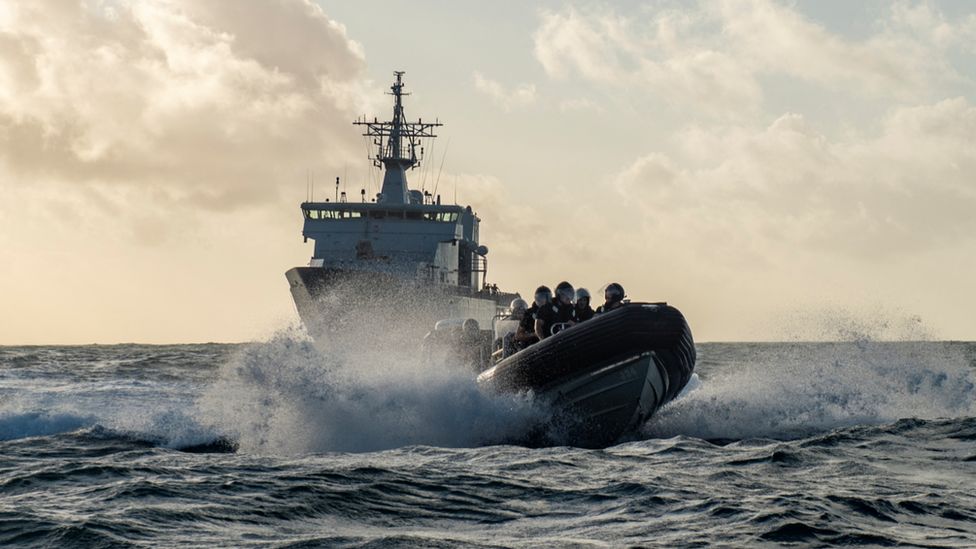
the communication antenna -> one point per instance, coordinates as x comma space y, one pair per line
443, 157
425, 168
308, 185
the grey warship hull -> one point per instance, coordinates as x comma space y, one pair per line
336, 304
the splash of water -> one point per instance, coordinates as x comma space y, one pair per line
284, 396
794, 390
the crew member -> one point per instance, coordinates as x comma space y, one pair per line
525, 334
519, 309
614, 295
583, 310
557, 315
470, 345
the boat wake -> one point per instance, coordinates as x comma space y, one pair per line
789, 391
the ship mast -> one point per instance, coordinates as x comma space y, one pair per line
398, 145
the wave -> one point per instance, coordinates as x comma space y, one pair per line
169, 430
15, 425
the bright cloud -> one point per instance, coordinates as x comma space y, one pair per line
859, 187
189, 98
521, 95
908, 189
712, 58
151, 156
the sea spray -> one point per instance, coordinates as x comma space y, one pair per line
285, 396
798, 389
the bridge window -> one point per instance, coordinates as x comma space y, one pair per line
328, 215
444, 217
331, 214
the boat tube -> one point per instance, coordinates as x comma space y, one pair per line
605, 377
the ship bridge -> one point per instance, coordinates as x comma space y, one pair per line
435, 243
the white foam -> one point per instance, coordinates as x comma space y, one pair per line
285, 397
791, 390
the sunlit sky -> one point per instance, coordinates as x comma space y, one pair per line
777, 170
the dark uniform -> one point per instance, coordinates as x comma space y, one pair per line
527, 325
584, 314
528, 319
555, 313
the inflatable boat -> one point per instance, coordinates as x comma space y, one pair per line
602, 378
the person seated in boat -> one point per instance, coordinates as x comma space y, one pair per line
470, 345
583, 310
614, 295
558, 314
517, 309
518, 312
525, 334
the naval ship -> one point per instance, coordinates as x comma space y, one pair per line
392, 265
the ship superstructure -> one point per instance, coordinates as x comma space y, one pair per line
401, 247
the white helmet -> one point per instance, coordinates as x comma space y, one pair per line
565, 290
519, 306
582, 293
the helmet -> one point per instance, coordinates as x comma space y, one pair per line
614, 292
518, 306
543, 295
582, 293
565, 291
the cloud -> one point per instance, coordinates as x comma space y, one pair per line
789, 165
579, 104
714, 58
208, 103
520, 96
787, 187
152, 153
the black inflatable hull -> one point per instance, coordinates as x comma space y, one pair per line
605, 377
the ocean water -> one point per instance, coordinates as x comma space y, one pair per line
275, 444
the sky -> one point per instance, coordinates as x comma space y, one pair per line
776, 170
